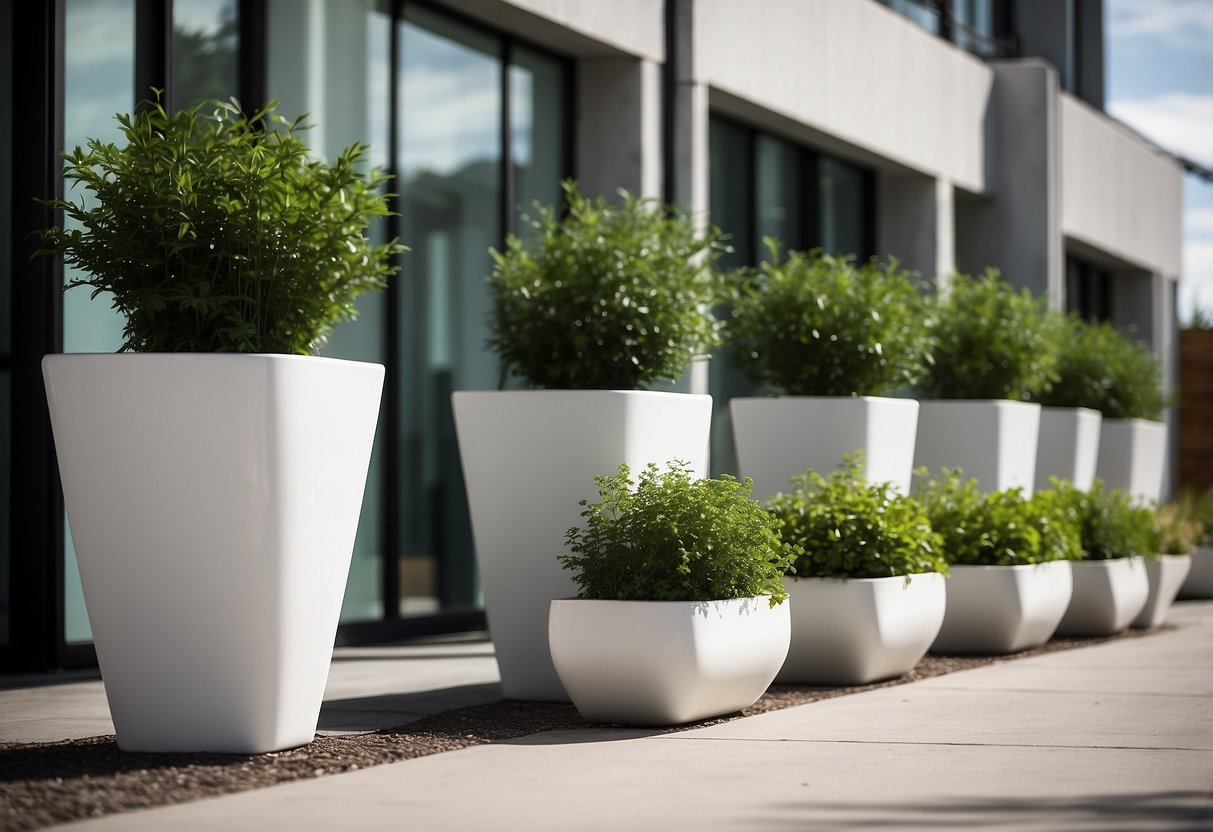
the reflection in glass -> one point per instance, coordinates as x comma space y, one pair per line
842, 208
206, 35
777, 194
537, 117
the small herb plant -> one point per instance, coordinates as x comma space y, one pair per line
813, 324
1102, 369
990, 342
1002, 528
609, 297
847, 527
670, 536
216, 231
1109, 524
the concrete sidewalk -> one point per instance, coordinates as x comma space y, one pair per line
1114, 736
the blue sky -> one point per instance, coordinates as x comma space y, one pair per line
1159, 56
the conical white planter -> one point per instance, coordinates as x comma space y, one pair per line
1068, 447
529, 457
1199, 583
993, 441
666, 662
1132, 453
1003, 609
779, 438
857, 630
1166, 574
213, 501
1108, 595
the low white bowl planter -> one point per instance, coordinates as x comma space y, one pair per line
666, 662
1132, 453
1108, 595
1166, 575
993, 440
213, 500
1068, 447
1199, 583
529, 457
1003, 609
850, 631
779, 438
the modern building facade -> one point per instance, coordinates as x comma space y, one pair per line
951, 134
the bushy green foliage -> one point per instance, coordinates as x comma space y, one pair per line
814, 324
1109, 524
1100, 368
215, 231
850, 528
609, 297
1173, 531
990, 342
1196, 507
673, 537
997, 529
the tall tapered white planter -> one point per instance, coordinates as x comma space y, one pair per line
213, 501
1003, 609
1166, 574
529, 457
1132, 454
1108, 595
1068, 447
992, 440
1199, 583
779, 438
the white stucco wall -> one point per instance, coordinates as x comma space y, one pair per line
1119, 194
581, 28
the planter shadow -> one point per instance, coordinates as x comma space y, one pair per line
378, 713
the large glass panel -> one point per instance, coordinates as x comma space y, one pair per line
206, 36
537, 135
450, 153
6, 527
6, 165
843, 210
921, 12
973, 26
778, 186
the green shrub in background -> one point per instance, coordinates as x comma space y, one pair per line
607, 297
1173, 532
1109, 524
813, 324
1100, 368
990, 342
1196, 507
216, 231
850, 528
672, 537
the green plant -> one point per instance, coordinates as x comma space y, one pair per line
1174, 532
990, 342
215, 233
1196, 507
1109, 524
1002, 528
814, 324
850, 528
609, 297
673, 537
1100, 368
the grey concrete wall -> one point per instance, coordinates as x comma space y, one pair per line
915, 222
582, 28
619, 126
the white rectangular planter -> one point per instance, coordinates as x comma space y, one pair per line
529, 457
213, 500
1108, 595
1166, 574
1003, 609
1199, 583
994, 441
1068, 447
1132, 454
779, 438
857, 630
666, 662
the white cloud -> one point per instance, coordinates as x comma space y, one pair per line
1179, 24
1178, 121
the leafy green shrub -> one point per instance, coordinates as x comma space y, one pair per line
1100, 368
609, 297
216, 235
1109, 524
1173, 532
850, 528
997, 529
990, 342
1196, 507
673, 537
817, 325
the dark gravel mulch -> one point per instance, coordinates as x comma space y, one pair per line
48, 783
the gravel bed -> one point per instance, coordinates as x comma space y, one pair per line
49, 783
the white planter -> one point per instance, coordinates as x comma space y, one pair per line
1132, 453
1068, 447
666, 662
779, 438
1003, 609
858, 630
1199, 583
994, 441
1166, 575
1108, 595
529, 457
213, 500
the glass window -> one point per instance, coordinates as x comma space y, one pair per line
843, 208
778, 190
1088, 291
6, 165
537, 117
922, 12
731, 186
973, 27
6, 401
205, 42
